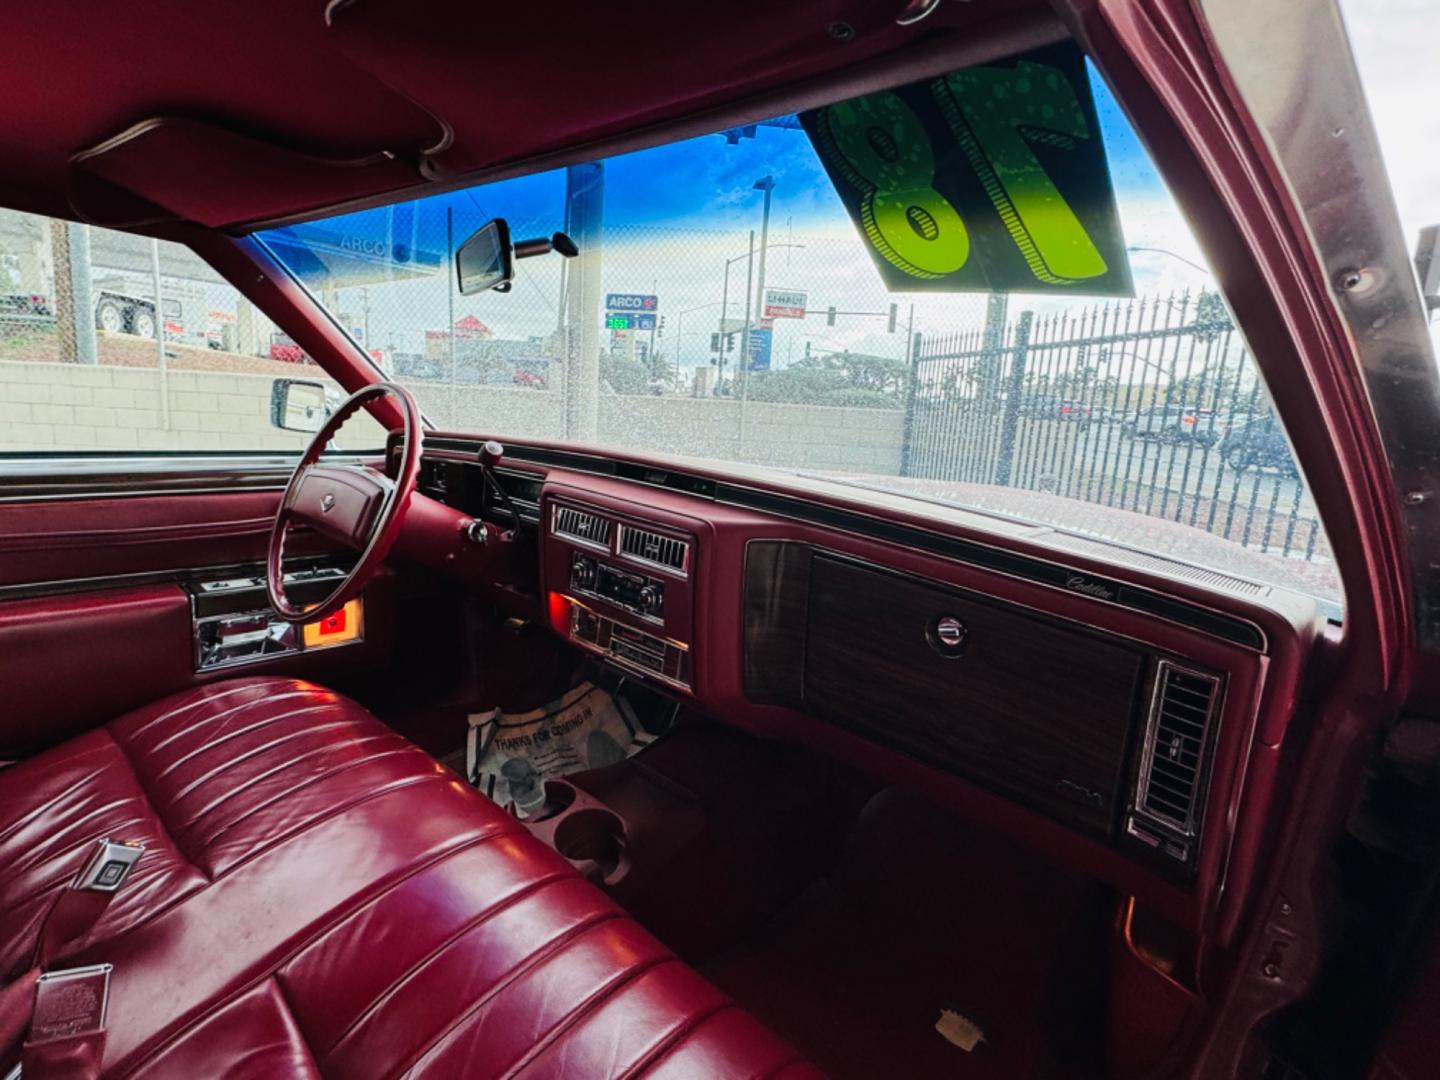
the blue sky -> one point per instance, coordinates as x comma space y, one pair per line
675, 216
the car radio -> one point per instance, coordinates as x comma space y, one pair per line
636, 593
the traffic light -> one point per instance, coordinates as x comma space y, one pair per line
830, 317
715, 342
890, 328
730, 341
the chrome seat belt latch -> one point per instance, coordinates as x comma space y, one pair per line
109, 866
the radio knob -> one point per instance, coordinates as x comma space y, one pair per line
650, 597
583, 575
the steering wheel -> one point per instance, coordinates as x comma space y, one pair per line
360, 508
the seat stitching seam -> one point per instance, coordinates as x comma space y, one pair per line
625, 979
308, 823
261, 778
672, 1039
41, 852
155, 810
294, 1019
206, 721
220, 740
320, 932
279, 796
257, 683
65, 875
236, 759
538, 958
400, 980
49, 804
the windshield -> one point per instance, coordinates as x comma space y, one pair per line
975, 290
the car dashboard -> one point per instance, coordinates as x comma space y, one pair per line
1120, 713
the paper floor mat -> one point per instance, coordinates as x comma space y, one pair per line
509, 756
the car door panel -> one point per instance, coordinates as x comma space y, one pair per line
70, 539
74, 660
95, 614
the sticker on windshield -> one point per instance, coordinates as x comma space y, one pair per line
989, 179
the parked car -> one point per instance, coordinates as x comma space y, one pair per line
283, 348
1052, 407
24, 304
1258, 444
1175, 424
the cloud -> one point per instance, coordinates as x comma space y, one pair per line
1394, 43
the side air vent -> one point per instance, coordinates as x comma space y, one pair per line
1178, 734
652, 548
578, 525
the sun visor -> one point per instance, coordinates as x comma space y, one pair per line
487, 72
208, 174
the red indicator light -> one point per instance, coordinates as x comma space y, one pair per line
333, 624
560, 613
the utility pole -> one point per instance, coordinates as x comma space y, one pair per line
80, 293
767, 185
63, 302
724, 310
584, 207
650, 356
453, 413
160, 337
742, 364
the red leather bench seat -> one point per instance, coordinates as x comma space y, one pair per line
320, 897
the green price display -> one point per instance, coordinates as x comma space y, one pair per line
991, 178
617, 322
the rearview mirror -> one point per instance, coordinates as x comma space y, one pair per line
485, 261
297, 405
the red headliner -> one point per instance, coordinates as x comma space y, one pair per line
275, 71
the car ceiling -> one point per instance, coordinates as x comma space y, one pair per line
231, 113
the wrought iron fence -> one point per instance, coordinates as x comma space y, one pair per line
1151, 405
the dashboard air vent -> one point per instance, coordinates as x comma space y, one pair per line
1177, 739
578, 525
654, 548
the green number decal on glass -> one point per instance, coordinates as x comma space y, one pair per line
987, 109
882, 148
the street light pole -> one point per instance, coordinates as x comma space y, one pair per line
1178, 258
725, 295
680, 334
767, 185
724, 310
742, 365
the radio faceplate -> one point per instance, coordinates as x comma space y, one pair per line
622, 585
638, 594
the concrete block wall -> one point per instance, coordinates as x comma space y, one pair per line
759, 433
73, 407
81, 407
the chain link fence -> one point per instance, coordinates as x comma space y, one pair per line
110, 341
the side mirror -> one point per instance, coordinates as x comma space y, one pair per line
485, 261
298, 405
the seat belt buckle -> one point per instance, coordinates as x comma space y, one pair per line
109, 866
70, 1002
